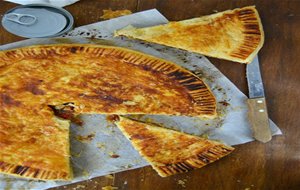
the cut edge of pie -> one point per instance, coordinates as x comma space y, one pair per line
28, 99
170, 152
246, 25
34, 173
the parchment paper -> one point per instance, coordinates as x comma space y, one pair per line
94, 158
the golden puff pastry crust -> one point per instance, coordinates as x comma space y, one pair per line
93, 79
235, 35
170, 152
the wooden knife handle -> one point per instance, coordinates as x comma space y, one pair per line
259, 119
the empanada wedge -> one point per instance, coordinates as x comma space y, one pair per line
170, 152
235, 35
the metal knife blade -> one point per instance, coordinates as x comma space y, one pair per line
258, 113
255, 85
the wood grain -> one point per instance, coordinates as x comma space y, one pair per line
259, 119
274, 165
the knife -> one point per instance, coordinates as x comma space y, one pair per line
258, 113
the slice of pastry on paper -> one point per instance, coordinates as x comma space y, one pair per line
170, 152
235, 35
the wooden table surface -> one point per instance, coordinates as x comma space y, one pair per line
275, 165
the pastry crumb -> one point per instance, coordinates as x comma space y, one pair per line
80, 186
109, 176
113, 155
100, 145
109, 187
112, 118
78, 154
181, 182
127, 166
109, 14
85, 173
86, 138
224, 103
148, 120
205, 136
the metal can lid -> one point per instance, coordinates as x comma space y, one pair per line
37, 21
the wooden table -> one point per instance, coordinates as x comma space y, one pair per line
275, 165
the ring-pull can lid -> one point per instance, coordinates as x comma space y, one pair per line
37, 21
23, 19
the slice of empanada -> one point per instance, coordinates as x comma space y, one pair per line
235, 35
170, 152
